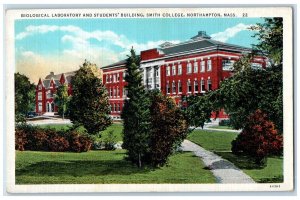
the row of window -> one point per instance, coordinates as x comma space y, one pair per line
191, 67
176, 87
49, 94
115, 107
115, 92
114, 78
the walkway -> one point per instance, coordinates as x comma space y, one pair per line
223, 170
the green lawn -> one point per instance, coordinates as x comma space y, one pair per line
222, 127
117, 128
105, 167
220, 143
212, 140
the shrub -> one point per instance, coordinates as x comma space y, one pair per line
79, 143
168, 128
259, 138
110, 141
33, 138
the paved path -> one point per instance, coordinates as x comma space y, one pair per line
223, 170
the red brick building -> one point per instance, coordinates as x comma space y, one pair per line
46, 89
188, 68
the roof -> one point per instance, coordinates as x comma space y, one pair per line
117, 64
56, 78
198, 44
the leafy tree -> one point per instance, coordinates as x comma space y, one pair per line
24, 96
89, 105
169, 127
199, 109
259, 138
135, 113
61, 99
270, 35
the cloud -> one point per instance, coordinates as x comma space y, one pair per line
230, 32
79, 48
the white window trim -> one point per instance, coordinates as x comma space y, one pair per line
202, 66
209, 63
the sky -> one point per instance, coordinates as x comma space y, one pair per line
62, 45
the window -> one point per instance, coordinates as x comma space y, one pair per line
202, 66
110, 78
179, 87
40, 87
209, 86
113, 107
40, 97
124, 92
202, 85
106, 79
173, 87
195, 86
124, 74
189, 86
118, 107
118, 77
189, 68
227, 64
40, 107
118, 94
256, 65
49, 94
168, 88
195, 67
179, 69
209, 65
173, 70
114, 93
168, 70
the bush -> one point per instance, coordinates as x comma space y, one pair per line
33, 138
106, 143
259, 138
168, 129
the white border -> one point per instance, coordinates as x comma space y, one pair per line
286, 13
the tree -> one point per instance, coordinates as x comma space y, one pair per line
61, 99
270, 35
169, 127
24, 96
251, 89
135, 113
259, 138
89, 105
199, 109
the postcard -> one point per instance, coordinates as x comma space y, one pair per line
149, 100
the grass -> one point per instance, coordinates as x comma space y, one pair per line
117, 128
222, 127
212, 140
105, 167
220, 143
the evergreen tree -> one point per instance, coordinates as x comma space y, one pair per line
89, 105
135, 113
61, 99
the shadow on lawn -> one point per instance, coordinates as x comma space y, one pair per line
78, 168
240, 161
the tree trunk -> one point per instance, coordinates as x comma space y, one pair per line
140, 162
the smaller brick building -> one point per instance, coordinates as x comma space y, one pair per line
46, 88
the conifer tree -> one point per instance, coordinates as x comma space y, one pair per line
135, 113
